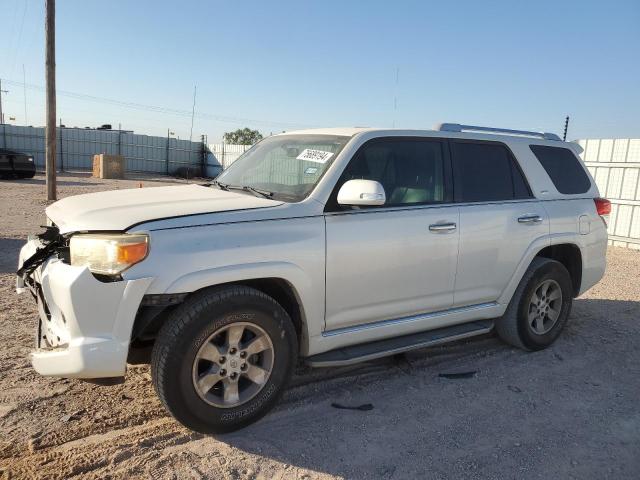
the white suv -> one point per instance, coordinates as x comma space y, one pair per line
335, 245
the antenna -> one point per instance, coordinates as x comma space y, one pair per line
395, 97
566, 127
193, 111
24, 86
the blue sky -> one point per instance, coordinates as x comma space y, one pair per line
280, 65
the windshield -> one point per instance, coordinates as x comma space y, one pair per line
284, 167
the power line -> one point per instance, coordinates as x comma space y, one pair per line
17, 48
13, 31
155, 108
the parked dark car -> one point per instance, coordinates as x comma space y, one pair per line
16, 165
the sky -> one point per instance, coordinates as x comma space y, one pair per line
284, 65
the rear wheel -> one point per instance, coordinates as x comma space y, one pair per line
223, 358
539, 308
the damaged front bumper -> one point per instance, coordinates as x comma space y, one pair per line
84, 325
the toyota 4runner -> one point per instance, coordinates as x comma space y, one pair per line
333, 245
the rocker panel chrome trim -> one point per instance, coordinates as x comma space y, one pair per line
413, 318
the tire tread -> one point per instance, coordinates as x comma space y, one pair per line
507, 325
180, 318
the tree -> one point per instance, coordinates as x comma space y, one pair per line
243, 136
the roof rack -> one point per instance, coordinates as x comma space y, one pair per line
456, 127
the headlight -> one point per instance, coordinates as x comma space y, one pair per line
108, 254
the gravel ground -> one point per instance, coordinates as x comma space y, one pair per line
570, 411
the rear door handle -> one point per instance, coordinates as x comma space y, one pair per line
442, 227
533, 218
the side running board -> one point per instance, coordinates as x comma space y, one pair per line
382, 348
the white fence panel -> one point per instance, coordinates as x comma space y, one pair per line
76, 147
615, 166
226, 154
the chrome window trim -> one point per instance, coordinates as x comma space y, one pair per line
429, 206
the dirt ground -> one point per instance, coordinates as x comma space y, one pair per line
571, 411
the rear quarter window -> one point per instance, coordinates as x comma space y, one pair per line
563, 167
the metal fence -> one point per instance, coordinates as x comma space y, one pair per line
76, 147
226, 154
615, 165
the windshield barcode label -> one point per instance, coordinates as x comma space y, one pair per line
311, 155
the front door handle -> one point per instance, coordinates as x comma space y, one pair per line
533, 218
442, 227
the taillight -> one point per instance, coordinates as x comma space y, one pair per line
603, 207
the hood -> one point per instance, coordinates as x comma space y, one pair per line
116, 210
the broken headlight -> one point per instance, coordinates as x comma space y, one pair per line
108, 254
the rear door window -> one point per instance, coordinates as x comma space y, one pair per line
563, 167
485, 172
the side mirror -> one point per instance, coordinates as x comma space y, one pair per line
361, 192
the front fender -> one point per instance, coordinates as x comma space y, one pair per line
311, 304
233, 273
188, 259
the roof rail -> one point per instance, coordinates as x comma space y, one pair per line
456, 127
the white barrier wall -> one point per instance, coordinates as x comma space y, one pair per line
76, 147
615, 165
226, 154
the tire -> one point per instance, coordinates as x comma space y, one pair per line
201, 329
516, 326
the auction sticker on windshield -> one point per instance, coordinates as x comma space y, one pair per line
319, 156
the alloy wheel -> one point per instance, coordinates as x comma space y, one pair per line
545, 306
233, 365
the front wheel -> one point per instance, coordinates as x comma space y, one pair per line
223, 358
539, 308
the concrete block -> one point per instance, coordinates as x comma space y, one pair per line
108, 166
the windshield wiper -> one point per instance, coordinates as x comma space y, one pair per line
221, 186
244, 188
264, 193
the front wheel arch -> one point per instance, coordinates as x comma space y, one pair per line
149, 321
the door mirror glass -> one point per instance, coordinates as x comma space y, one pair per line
362, 192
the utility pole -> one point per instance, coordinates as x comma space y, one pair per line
1, 92
566, 127
50, 63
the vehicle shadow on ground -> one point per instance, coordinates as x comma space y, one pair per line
423, 425
9, 250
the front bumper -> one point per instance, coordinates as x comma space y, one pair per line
84, 325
